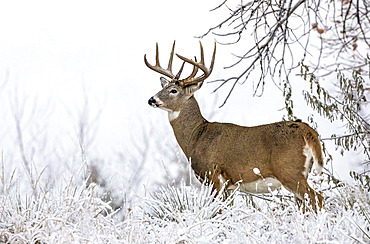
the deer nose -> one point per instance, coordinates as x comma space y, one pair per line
151, 101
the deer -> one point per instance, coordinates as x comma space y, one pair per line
255, 159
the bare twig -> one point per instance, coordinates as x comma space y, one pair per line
274, 26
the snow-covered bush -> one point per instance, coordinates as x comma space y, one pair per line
73, 212
69, 214
186, 204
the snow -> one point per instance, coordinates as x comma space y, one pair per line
75, 213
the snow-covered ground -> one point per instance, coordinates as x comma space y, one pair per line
74, 213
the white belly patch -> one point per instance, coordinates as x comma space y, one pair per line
265, 185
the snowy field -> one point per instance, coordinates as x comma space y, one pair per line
74, 212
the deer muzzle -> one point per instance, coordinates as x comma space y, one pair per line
152, 102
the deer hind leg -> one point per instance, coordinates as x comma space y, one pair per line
315, 198
300, 189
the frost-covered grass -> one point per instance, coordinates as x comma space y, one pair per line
345, 220
74, 213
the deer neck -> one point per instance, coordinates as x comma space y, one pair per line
187, 124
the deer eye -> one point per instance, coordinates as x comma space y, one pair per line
173, 91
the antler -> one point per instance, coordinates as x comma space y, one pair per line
157, 67
175, 78
206, 72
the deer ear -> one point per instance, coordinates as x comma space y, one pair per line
193, 88
164, 82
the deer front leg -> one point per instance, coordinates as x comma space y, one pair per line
220, 181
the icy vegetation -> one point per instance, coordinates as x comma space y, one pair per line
76, 211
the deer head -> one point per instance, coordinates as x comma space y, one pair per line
176, 91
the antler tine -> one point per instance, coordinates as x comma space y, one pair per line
171, 57
190, 77
157, 67
201, 54
206, 72
180, 71
195, 70
213, 59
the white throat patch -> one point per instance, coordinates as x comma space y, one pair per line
173, 115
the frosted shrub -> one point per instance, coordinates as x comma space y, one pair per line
189, 214
74, 213
65, 216
187, 202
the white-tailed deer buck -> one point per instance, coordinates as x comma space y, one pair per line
260, 158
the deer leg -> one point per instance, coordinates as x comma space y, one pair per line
314, 197
300, 189
220, 181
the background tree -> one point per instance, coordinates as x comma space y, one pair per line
315, 39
